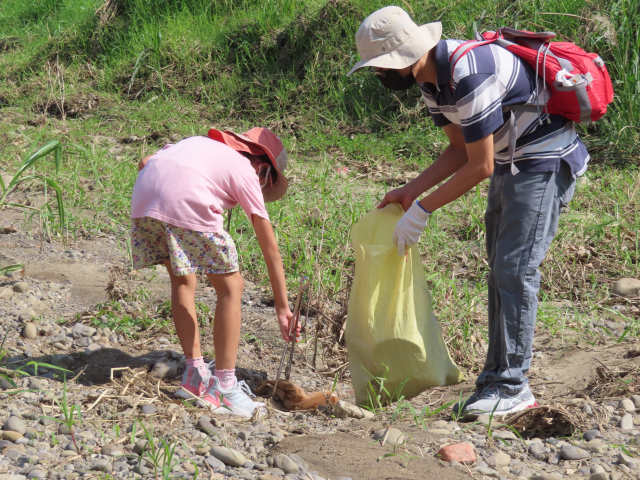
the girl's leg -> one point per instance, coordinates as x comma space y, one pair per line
226, 327
183, 309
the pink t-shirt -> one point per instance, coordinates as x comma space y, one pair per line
190, 183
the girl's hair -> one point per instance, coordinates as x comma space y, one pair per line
258, 159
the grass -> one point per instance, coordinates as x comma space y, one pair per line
113, 87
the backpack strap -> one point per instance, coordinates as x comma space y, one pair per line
461, 50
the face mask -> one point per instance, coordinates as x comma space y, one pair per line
393, 80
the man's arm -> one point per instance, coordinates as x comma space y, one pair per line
450, 160
478, 166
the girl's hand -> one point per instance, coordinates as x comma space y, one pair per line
285, 319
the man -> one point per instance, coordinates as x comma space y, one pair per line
531, 157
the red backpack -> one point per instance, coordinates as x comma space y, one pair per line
578, 81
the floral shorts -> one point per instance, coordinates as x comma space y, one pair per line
154, 242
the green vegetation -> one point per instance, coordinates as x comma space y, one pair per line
112, 80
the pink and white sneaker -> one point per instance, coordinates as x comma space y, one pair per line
193, 383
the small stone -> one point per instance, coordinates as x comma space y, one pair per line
626, 422
165, 369
229, 456
626, 287
37, 474
538, 451
344, 409
596, 445
204, 423
390, 436
30, 331
148, 409
113, 450
11, 435
569, 452
504, 435
626, 460
599, 476
627, 405
215, 464
458, 452
591, 434
21, 287
636, 400
14, 423
284, 463
499, 459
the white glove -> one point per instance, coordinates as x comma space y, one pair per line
409, 227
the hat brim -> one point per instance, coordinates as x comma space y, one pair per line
408, 53
240, 143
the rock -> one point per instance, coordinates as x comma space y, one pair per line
284, 463
504, 435
626, 422
11, 435
626, 460
599, 476
596, 445
569, 452
113, 450
537, 450
215, 464
16, 424
204, 424
458, 452
37, 474
499, 459
626, 287
229, 456
21, 287
344, 409
591, 434
390, 436
82, 330
140, 446
30, 331
627, 405
148, 409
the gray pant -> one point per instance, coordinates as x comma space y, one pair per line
521, 220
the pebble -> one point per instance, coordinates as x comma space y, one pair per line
569, 452
21, 287
626, 422
627, 405
389, 436
499, 459
148, 409
458, 452
11, 435
344, 409
217, 465
204, 423
30, 331
229, 456
599, 476
286, 464
591, 434
16, 424
626, 287
113, 450
504, 435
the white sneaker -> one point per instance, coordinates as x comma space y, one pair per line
493, 400
237, 399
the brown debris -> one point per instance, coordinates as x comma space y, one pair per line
293, 397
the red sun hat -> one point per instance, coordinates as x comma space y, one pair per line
259, 141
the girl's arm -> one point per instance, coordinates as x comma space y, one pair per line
271, 254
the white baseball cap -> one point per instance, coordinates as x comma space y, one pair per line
389, 38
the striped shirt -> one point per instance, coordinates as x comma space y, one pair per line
483, 82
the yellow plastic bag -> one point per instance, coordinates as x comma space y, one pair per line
394, 341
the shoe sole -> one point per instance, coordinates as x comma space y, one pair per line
518, 408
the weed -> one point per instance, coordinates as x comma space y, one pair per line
378, 395
160, 455
71, 416
11, 268
45, 212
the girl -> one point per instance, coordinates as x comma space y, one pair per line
176, 210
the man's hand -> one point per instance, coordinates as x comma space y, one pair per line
410, 227
401, 195
285, 319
